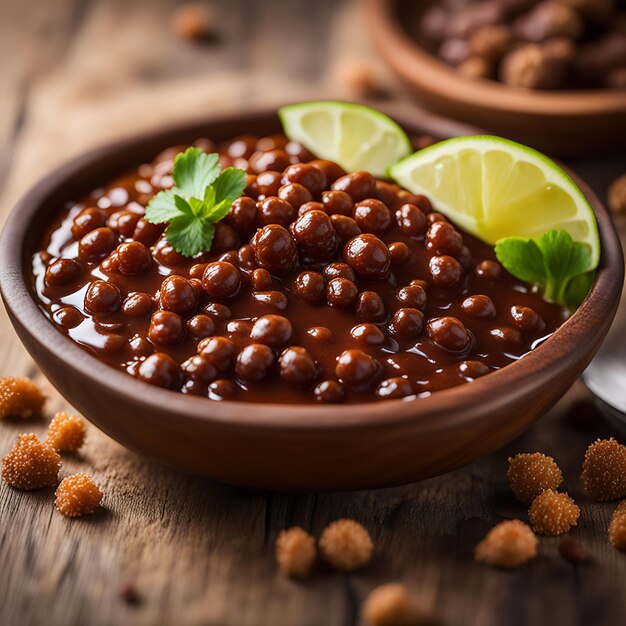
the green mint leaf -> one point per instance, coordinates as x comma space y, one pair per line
182, 206
189, 235
554, 261
194, 171
161, 207
229, 185
219, 211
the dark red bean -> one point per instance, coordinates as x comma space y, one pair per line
399, 252
356, 368
411, 220
241, 147
87, 220
339, 270
331, 170
407, 323
242, 215
445, 271
218, 311
443, 238
337, 203
276, 160
161, 370
201, 326
220, 351
147, 233
473, 369
370, 306
225, 238
275, 299
137, 304
412, 296
345, 227
221, 280
489, 270
314, 233
386, 192
295, 194
133, 258
306, 175
526, 319
61, 272
372, 216
310, 206
140, 346
330, 392
166, 328
267, 183
68, 317
310, 286
272, 330
275, 249
368, 256
165, 254
434, 217
359, 185
199, 368
271, 142
448, 333
223, 389
123, 223
178, 295
321, 334
102, 297
246, 258
273, 210
479, 306
261, 279
368, 334
395, 388
297, 366
341, 293
254, 362
97, 243
507, 336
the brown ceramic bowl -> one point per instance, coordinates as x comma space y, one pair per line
567, 123
281, 446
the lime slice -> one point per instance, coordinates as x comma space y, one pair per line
494, 188
353, 135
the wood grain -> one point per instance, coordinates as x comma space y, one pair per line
198, 553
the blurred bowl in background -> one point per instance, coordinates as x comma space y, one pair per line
563, 123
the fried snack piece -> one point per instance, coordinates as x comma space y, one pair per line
531, 473
553, 513
617, 527
20, 397
508, 544
31, 464
77, 495
66, 433
392, 605
346, 545
604, 470
295, 552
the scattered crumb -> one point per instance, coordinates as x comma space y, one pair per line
20, 397
31, 464
573, 551
193, 21
531, 473
77, 495
617, 195
66, 433
508, 544
392, 605
129, 594
604, 470
617, 527
295, 552
346, 545
553, 513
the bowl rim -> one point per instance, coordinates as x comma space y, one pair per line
420, 67
497, 390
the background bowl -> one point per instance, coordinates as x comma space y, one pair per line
564, 123
282, 446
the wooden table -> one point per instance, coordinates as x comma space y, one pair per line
77, 73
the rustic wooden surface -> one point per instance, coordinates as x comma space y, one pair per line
75, 73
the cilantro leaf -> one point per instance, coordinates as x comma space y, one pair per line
230, 184
162, 207
554, 261
186, 234
202, 196
194, 171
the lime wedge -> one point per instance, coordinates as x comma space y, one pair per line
353, 135
494, 188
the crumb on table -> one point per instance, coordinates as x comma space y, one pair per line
508, 544
553, 513
604, 470
617, 527
391, 605
346, 545
20, 397
66, 432
295, 552
531, 473
77, 495
31, 464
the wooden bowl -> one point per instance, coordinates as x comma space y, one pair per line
563, 123
281, 446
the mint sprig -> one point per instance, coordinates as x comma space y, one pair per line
202, 195
554, 261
